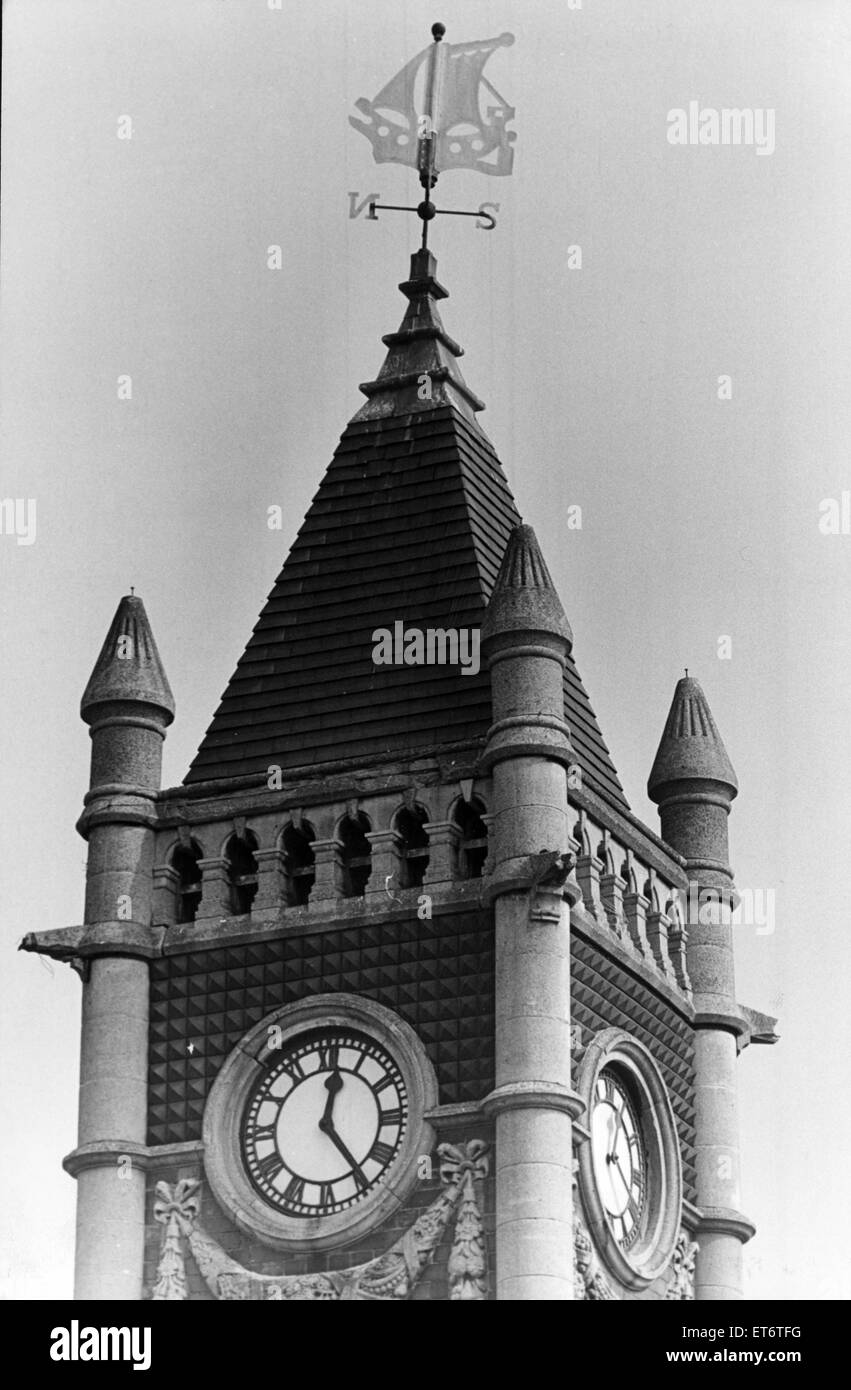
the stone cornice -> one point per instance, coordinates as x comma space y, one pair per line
343, 777
150, 943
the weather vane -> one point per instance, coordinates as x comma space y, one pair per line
429, 116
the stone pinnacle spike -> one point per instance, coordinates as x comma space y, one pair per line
691, 748
524, 596
129, 666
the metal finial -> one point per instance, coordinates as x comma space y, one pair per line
686, 670
132, 591
437, 32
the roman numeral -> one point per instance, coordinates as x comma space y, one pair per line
381, 1153
383, 1084
329, 1056
633, 1207
267, 1132
326, 1194
270, 1166
390, 1117
294, 1069
294, 1190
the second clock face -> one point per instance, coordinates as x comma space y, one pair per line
325, 1123
618, 1157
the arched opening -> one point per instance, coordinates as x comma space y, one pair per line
242, 871
473, 845
356, 854
410, 825
299, 861
189, 889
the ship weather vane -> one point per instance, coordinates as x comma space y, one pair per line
439, 113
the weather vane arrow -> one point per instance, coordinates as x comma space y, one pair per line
444, 127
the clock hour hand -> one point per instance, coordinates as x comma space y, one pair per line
332, 1086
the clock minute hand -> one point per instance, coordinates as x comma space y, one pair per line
327, 1127
622, 1175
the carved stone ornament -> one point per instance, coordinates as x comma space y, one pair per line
682, 1268
589, 1281
174, 1207
392, 1276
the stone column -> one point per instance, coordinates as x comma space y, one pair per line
588, 871
166, 886
657, 934
216, 900
612, 889
330, 871
443, 840
525, 638
694, 784
271, 882
386, 863
635, 907
113, 1103
128, 705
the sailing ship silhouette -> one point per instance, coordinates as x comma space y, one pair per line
469, 129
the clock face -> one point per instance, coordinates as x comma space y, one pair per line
326, 1122
618, 1157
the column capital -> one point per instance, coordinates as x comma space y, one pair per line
533, 1095
725, 1221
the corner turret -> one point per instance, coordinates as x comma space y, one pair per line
694, 784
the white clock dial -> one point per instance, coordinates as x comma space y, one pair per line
618, 1157
325, 1123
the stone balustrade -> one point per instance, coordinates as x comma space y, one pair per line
631, 901
624, 896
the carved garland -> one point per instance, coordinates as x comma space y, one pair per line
392, 1276
589, 1281
591, 1284
682, 1266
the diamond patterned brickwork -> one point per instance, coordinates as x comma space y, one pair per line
605, 996
436, 975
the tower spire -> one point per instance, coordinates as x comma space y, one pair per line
420, 371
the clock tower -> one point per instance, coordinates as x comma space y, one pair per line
394, 997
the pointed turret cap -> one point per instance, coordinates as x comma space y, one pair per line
524, 597
129, 666
691, 748
420, 370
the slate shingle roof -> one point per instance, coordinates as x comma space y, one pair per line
409, 523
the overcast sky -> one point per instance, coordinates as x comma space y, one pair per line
147, 257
